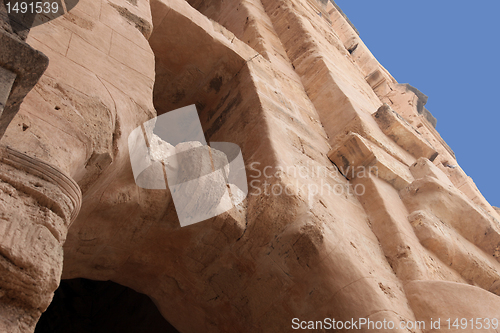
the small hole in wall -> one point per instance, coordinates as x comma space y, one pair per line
25, 127
419, 125
57, 107
352, 48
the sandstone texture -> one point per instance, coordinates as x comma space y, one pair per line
356, 207
20, 66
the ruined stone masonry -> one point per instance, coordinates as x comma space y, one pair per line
292, 84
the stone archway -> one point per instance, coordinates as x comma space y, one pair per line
81, 305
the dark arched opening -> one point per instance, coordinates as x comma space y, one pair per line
87, 306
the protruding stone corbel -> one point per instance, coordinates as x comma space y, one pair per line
355, 155
405, 135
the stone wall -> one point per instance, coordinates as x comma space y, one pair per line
357, 207
20, 66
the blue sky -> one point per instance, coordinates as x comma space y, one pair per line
449, 50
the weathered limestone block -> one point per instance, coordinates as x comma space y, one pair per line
456, 252
465, 184
441, 301
423, 167
366, 126
398, 129
388, 220
409, 99
453, 208
357, 157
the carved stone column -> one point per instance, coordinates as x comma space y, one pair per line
38, 202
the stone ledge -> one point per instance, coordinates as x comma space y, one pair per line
456, 252
355, 152
453, 208
423, 167
389, 221
399, 130
366, 126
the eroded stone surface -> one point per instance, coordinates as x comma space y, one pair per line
296, 91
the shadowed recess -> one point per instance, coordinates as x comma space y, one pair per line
87, 306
